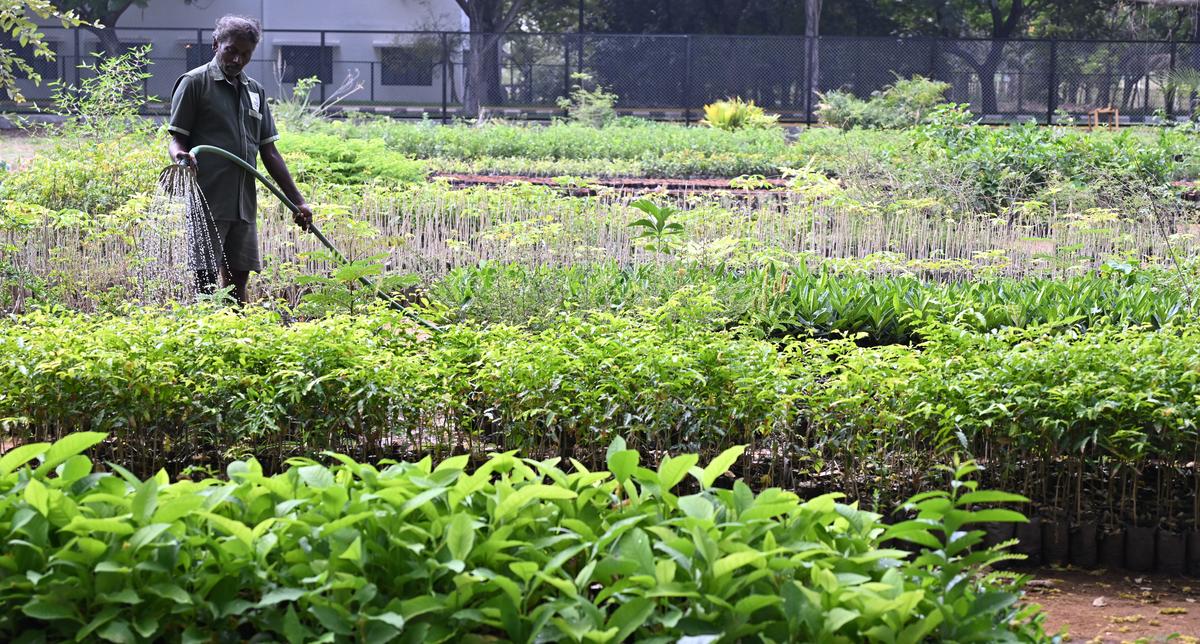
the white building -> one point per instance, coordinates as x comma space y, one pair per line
363, 37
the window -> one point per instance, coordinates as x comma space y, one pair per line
48, 69
407, 66
297, 62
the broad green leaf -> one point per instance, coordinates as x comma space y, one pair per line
460, 536
68, 446
280, 595
147, 534
997, 515
527, 493
84, 526
145, 501
353, 552
40, 609
672, 470
623, 463
177, 507
629, 617
720, 465
18, 456
37, 496
696, 507
230, 526
732, 562
990, 496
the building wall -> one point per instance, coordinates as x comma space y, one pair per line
173, 28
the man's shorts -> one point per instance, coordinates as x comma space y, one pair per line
233, 244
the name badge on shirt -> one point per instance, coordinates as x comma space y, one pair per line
254, 98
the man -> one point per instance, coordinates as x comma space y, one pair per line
217, 104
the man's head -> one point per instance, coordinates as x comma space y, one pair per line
234, 40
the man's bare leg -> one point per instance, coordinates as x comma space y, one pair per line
206, 282
239, 279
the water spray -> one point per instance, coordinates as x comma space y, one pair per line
170, 181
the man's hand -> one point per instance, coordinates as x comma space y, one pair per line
303, 217
187, 158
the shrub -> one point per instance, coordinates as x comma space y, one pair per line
589, 103
904, 103
93, 176
517, 549
324, 158
734, 114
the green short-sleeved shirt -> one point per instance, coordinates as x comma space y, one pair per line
231, 114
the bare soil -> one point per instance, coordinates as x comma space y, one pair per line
591, 185
1101, 606
18, 146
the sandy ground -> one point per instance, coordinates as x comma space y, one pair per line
1100, 606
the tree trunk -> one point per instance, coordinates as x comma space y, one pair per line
987, 77
812, 31
109, 42
483, 72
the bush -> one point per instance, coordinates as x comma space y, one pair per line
91, 176
517, 549
324, 158
589, 103
905, 103
735, 114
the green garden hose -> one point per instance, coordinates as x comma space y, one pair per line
312, 227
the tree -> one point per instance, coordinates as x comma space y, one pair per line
489, 19
100, 17
16, 20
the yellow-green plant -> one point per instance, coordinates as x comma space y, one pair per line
734, 114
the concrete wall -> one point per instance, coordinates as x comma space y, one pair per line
174, 27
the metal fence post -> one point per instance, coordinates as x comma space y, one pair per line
78, 56
1052, 91
808, 80
1171, 90
566, 69
445, 77
321, 66
687, 79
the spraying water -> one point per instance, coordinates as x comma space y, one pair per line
178, 260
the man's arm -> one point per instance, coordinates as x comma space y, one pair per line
277, 168
179, 149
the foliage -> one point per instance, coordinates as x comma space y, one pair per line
518, 549
775, 302
16, 20
92, 176
734, 114
107, 101
343, 289
321, 158
589, 106
189, 387
657, 230
297, 112
1016, 161
904, 103
624, 139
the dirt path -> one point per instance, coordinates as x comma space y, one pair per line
1118, 607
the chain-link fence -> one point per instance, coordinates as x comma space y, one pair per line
443, 75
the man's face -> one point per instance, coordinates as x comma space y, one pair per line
233, 54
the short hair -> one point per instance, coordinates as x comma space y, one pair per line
231, 27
